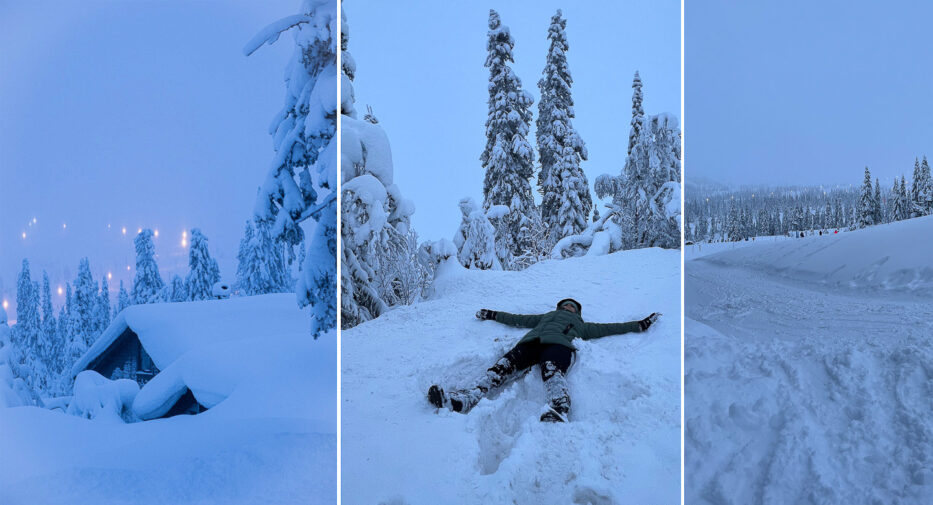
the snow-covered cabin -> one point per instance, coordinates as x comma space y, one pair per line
145, 340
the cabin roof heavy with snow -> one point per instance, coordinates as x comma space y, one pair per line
144, 340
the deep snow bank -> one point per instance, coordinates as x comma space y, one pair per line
895, 256
270, 436
799, 391
622, 444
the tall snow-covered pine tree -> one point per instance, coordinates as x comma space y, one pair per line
565, 193
508, 157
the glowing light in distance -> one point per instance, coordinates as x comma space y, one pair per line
60, 291
6, 304
156, 233
64, 226
124, 230
127, 268
139, 230
109, 276
33, 220
24, 235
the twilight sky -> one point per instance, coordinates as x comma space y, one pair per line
799, 92
131, 114
420, 66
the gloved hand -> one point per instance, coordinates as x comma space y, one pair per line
486, 315
648, 321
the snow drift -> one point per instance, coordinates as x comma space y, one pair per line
622, 444
809, 370
270, 436
892, 257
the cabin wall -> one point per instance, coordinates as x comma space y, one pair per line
126, 359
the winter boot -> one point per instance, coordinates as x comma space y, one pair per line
436, 396
558, 394
462, 400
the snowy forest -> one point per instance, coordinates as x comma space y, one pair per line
44, 343
275, 254
385, 264
718, 214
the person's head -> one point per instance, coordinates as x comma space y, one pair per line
571, 305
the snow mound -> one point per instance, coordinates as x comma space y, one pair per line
800, 392
622, 444
96, 397
270, 436
890, 257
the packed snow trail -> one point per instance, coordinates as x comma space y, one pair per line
808, 392
622, 444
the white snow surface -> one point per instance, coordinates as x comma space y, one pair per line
169, 330
96, 397
892, 257
270, 436
809, 370
622, 444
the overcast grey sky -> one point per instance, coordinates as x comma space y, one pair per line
800, 92
135, 114
420, 65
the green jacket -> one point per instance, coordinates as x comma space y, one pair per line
561, 326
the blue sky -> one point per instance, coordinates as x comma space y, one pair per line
806, 92
420, 66
135, 114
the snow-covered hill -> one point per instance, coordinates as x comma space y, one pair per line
809, 370
269, 436
622, 444
893, 257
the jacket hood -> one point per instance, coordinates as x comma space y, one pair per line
571, 300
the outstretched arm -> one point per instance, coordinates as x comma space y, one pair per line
520, 320
598, 330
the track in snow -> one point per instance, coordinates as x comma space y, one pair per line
622, 444
799, 393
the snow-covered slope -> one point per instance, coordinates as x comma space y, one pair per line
809, 370
896, 256
622, 444
270, 436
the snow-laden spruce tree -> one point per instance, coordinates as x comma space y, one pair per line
203, 271
924, 202
901, 200
147, 284
508, 158
301, 184
377, 256
49, 346
14, 391
27, 332
102, 310
565, 192
877, 211
84, 305
646, 196
176, 290
261, 268
865, 211
476, 238
123, 300
663, 159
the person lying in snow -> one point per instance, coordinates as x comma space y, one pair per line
548, 344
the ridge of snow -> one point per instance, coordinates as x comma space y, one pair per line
890, 257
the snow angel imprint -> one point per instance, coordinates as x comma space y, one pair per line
549, 344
